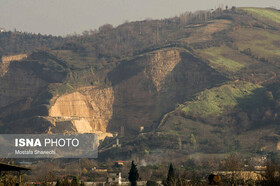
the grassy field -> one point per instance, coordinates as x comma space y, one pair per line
270, 14
225, 59
263, 43
215, 100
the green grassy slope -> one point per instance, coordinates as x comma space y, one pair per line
263, 43
225, 59
215, 100
236, 106
270, 14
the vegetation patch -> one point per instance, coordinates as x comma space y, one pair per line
75, 60
270, 14
215, 100
261, 42
224, 59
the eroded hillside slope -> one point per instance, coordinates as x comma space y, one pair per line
141, 90
150, 85
196, 85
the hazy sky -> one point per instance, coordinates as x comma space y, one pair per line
62, 17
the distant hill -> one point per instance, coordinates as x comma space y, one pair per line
202, 82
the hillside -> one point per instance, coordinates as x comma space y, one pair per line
196, 83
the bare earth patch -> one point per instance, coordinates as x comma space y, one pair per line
205, 33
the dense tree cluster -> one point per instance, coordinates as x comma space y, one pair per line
17, 42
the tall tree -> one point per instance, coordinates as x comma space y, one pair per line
171, 176
133, 174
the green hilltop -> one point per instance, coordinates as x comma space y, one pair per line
270, 14
215, 100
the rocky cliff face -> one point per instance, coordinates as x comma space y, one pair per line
88, 110
159, 65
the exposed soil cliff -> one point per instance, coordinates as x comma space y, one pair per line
88, 110
5, 62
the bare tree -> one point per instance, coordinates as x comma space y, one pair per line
184, 18
233, 163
